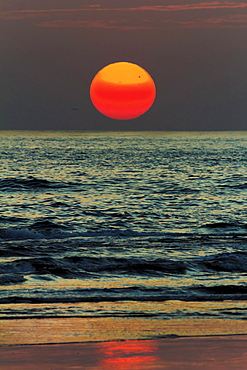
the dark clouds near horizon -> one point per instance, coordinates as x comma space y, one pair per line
196, 52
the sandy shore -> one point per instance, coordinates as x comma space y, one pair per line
228, 352
71, 330
112, 344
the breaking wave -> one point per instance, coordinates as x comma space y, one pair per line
30, 183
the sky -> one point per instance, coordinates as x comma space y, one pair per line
196, 52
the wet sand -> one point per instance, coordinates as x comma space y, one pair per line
117, 344
220, 352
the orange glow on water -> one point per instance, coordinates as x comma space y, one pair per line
122, 91
128, 355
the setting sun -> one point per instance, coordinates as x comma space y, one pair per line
122, 91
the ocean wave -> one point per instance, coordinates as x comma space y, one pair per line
214, 293
225, 225
230, 262
130, 266
46, 225
10, 279
83, 267
29, 183
48, 228
234, 185
41, 229
225, 291
15, 233
10, 219
219, 293
54, 230
79, 266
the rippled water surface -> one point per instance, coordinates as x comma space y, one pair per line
123, 224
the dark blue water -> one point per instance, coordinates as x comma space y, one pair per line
96, 224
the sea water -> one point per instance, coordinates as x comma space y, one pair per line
123, 224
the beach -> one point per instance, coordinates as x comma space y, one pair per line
182, 353
123, 250
117, 344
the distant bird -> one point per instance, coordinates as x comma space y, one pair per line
74, 108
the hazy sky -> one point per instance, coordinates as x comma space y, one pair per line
196, 52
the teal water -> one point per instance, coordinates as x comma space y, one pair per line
123, 223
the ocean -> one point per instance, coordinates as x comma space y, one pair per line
123, 224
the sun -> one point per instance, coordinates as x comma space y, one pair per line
122, 91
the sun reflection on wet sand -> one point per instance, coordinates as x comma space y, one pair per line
219, 352
128, 355
118, 343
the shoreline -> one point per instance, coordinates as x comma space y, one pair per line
122, 344
211, 352
83, 330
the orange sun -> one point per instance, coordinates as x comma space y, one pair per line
122, 90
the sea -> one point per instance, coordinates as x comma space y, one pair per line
123, 224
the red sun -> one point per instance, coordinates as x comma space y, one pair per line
122, 90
